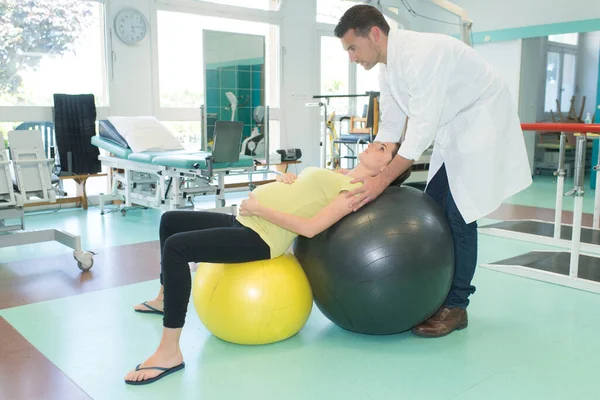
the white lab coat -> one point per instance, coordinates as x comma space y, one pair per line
456, 101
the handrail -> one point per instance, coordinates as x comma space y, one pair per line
561, 127
578, 189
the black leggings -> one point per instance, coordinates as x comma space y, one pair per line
197, 236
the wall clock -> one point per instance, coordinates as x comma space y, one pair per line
131, 26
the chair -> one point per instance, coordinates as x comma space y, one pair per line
49, 140
363, 134
32, 185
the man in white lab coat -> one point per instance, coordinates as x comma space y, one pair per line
444, 94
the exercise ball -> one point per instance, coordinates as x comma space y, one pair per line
256, 302
384, 268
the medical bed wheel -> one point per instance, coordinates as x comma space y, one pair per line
84, 259
253, 303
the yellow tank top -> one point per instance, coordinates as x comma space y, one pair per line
314, 189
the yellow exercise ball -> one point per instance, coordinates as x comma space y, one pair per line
256, 302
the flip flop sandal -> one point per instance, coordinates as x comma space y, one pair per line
166, 371
151, 310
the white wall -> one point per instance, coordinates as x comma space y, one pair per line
300, 69
587, 70
506, 58
131, 80
502, 14
533, 79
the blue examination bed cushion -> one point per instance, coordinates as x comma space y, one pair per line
170, 158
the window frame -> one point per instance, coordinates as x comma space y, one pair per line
204, 9
45, 113
561, 49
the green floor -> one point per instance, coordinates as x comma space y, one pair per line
543, 194
526, 339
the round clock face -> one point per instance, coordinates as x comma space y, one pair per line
131, 26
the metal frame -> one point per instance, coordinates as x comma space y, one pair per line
39, 191
160, 187
465, 21
545, 276
575, 245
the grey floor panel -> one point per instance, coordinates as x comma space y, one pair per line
588, 235
557, 262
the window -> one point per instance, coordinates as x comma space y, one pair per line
566, 38
180, 61
179, 66
41, 56
257, 4
188, 133
335, 74
366, 81
561, 68
552, 81
6, 127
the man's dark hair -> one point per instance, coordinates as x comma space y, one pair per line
361, 18
400, 180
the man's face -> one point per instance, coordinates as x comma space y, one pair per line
363, 50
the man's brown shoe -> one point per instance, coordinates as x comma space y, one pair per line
444, 321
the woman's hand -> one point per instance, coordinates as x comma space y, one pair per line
250, 206
287, 178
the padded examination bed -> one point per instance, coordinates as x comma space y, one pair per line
185, 159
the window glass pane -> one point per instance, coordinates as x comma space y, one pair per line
6, 127
366, 81
552, 77
274, 136
180, 61
334, 74
568, 82
42, 55
566, 38
188, 133
258, 4
180, 56
93, 186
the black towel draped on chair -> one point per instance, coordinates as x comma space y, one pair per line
75, 125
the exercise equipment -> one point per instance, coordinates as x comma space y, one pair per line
384, 268
567, 268
351, 141
254, 145
253, 303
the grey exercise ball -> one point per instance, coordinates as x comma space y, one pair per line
384, 268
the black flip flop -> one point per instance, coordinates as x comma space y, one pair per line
166, 371
151, 310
